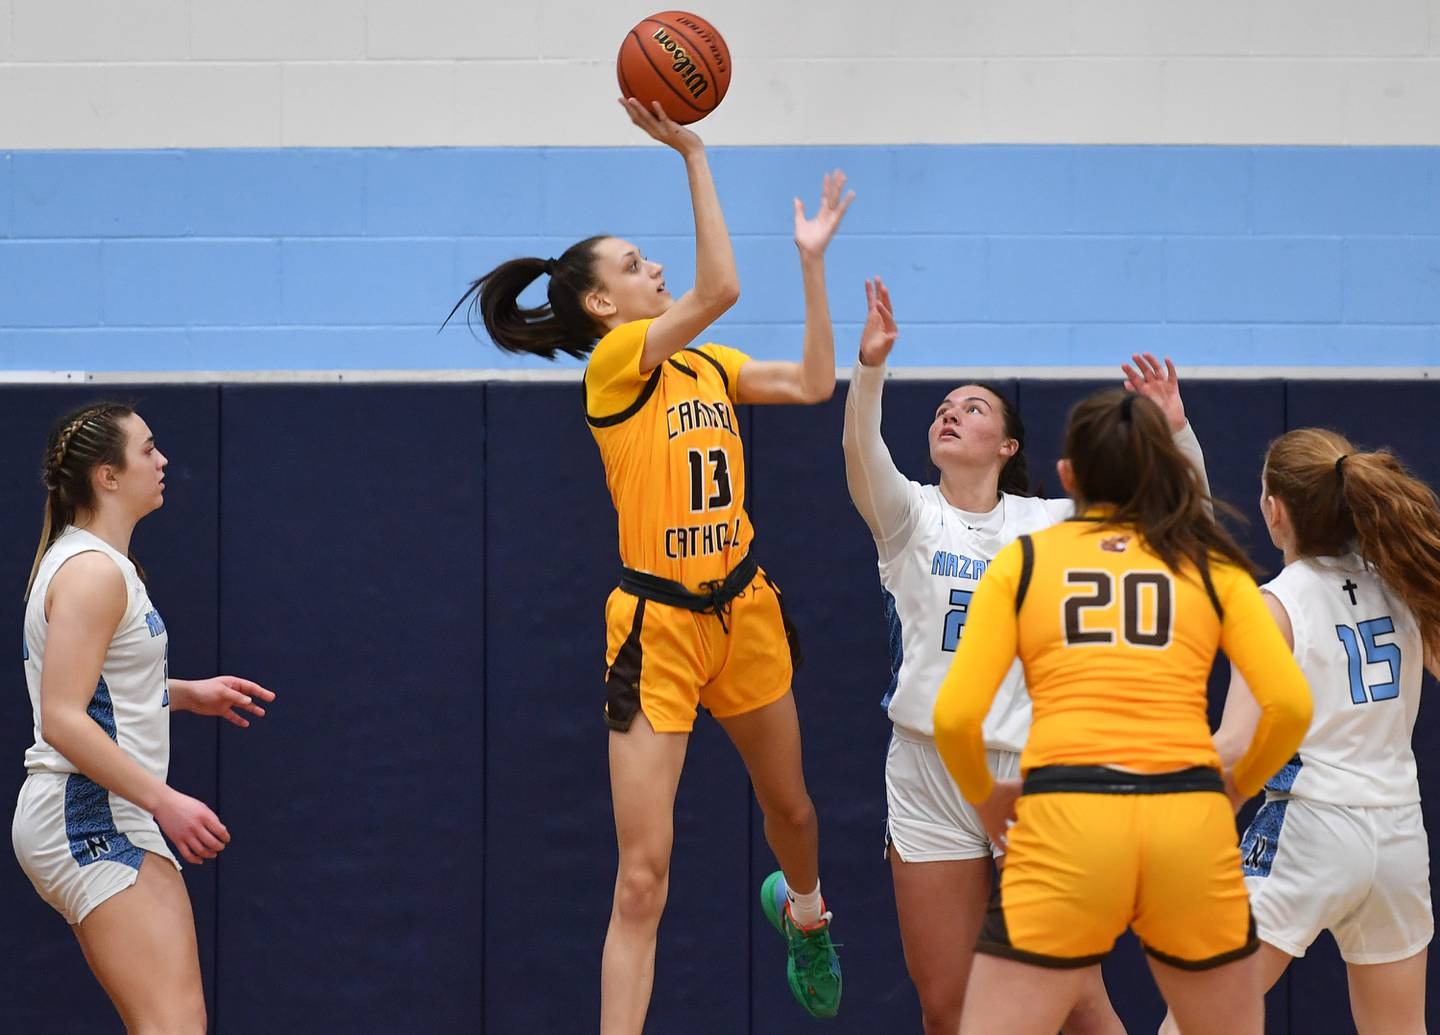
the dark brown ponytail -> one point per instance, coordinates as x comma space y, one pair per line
1123, 454
562, 324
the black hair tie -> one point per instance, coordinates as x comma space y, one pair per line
550, 267
1340, 467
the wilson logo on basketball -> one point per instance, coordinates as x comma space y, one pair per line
706, 34
682, 64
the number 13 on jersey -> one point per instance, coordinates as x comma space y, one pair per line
712, 492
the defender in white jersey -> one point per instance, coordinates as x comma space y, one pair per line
934, 543
93, 814
1340, 843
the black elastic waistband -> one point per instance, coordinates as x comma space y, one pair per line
1099, 779
714, 599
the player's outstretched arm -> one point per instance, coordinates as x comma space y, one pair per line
880, 492
811, 380
1161, 385
717, 284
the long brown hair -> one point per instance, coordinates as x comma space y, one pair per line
562, 324
80, 441
1341, 499
1122, 453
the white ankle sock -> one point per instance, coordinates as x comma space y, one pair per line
805, 909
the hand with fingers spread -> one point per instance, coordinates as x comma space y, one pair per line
878, 336
191, 826
1161, 385
812, 235
222, 696
661, 127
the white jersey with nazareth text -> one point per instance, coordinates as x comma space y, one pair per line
1360, 649
928, 583
131, 701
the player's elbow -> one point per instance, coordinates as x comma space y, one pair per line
819, 390
1299, 710
718, 298
1290, 714
56, 725
952, 724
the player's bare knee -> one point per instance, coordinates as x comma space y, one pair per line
797, 813
640, 893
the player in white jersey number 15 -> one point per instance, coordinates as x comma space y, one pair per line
1340, 843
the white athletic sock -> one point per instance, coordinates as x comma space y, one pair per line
805, 909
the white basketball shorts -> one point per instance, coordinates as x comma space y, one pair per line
927, 818
1361, 872
68, 842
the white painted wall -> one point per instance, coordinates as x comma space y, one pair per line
258, 73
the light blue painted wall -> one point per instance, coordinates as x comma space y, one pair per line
996, 255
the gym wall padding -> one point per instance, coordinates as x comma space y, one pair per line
351, 562
422, 828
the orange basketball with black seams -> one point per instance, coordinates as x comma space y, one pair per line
678, 59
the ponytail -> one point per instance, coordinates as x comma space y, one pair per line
1340, 499
1122, 453
562, 324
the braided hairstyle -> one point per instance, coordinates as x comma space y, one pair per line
80, 441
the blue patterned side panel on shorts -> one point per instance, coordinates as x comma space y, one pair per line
89, 825
1283, 782
1262, 837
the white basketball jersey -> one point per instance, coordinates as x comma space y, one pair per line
131, 702
1360, 649
928, 584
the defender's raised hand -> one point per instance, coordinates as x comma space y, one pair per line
880, 332
1161, 385
812, 235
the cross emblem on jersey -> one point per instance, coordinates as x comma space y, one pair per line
1350, 587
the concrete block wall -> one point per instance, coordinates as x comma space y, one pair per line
284, 259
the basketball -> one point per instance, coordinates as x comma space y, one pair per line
677, 59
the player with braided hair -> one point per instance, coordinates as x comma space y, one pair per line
88, 823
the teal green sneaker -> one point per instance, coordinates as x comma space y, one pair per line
813, 967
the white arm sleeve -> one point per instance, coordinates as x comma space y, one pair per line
1190, 445
880, 492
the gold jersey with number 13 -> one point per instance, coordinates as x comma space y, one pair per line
670, 442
